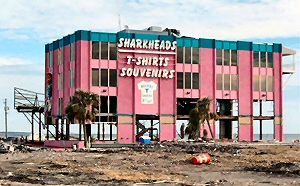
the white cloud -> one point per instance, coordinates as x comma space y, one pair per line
12, 34
205, 18
13, 61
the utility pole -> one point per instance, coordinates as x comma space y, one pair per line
6, 108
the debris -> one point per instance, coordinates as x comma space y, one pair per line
201, 159
5, 147
237, 152
9, 174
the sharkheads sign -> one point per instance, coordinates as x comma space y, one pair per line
147, 57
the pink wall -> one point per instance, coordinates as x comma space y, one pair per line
82, 61
130, 102
125, 99
126, 133
167, 132
60, 143
246, 133
167, 90
207, 72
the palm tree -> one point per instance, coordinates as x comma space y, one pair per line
83, 108
198, 116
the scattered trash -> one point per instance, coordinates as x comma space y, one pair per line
74, 147
145, 139
237, 152
5, 147
201, 159
9, 174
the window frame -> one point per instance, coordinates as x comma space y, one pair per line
222, 61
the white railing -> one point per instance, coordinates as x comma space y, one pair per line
289, 68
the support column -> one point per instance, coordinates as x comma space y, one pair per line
40, 127
32, 126
67, 129
278, 128
245, 91
260, 121
103, 131
98, 131
151, 131
48, 121
80, 131
62, 128
56, 128
88, 130
167, 127
245, 128
278, 97
126, 129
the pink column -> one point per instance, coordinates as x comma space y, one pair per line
66, 68
207, 82
167, 103
278, 111
82, 61
55, 92
245, 95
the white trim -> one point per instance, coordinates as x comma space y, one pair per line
145, 51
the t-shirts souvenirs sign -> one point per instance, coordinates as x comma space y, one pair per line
147, 65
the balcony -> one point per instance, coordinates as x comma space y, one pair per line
288, 64
288, 61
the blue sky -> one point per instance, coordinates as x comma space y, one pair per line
26, 26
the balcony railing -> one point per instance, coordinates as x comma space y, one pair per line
289, 68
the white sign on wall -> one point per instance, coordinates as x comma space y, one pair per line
147, 91
150, 65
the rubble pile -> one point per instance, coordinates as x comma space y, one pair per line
176, 147
5, 147
10, 147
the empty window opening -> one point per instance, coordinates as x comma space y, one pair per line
147, 125
184, 105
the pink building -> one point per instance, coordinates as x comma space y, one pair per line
158, 76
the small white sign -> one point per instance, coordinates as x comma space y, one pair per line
147, 91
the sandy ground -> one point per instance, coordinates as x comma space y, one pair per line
166, 163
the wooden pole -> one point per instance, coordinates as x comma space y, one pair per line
40, 126
32, 126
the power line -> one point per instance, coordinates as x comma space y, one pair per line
119, 17
6, 108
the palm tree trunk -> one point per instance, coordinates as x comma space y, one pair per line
212, 135
199, 131
85, 136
